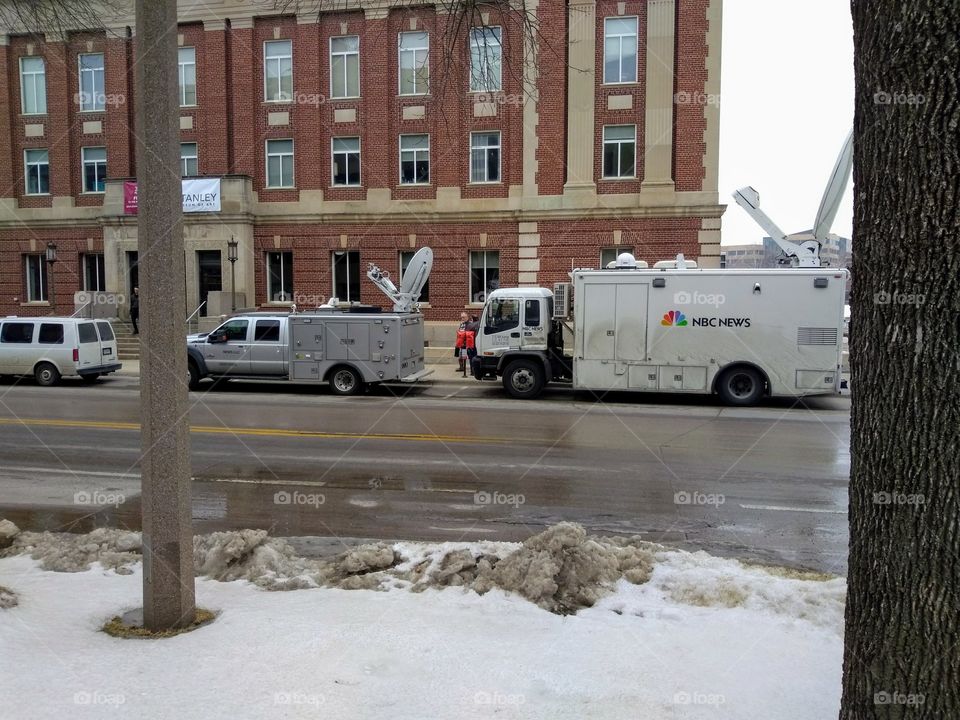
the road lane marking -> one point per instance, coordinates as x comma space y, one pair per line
268, 432
784, 508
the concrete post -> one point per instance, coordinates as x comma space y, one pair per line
168, 584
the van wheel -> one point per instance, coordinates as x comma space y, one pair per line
90, 379
345, 381
193, 376
740, 386
523, 379
46, 374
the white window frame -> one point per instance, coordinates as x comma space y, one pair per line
285, 291
333, 274
333, 164
44, 281
413, 51
293, 163
346, 75
33, 75
181, 69
278, 59
619, 38
603, 152
414, 151
83, 169
470, 269
80, 75
185, 158
26, 172
484, 148
498, 31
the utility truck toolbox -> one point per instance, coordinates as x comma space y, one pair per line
743, 334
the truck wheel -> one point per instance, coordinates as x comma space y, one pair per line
345, 381
523, 379
740, 386
46, 374
193, 376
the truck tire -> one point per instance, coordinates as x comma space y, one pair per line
193, 375
741, 386
46, 374
345, 380
523, 379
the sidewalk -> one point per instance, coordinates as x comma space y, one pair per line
443, 374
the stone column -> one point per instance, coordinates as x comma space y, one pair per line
658, 133
581, 89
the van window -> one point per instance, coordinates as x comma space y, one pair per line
51, 334
267, 331
531, 313
17, 332
87, 332
106, 332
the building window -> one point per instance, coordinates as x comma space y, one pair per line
345, 66
187, 66
619, 151
484, 274
414, 159
405, 257
609, 255
346, 161
485, 59
37, 171
484, 157
280, 163
346, 275
94, 169
91, 82
278, 71
620, 50
36, 276
33, 86
280, 276
94, 278
414, 63
189, 160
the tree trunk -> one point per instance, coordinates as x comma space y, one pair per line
168, 584
901, 651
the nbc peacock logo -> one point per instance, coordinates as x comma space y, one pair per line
674, 317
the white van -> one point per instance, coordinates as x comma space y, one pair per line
53, 347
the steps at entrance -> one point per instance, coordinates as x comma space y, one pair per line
128, 344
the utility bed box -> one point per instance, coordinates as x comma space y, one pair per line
381, 346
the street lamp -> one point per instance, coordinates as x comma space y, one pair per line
51, 257
232, 257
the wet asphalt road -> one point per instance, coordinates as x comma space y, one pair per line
447, 462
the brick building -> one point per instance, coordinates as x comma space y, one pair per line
344, 138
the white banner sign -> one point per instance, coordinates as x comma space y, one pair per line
201, 195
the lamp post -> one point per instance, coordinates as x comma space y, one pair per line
232, 257
51, 258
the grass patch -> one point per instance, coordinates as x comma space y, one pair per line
116, 627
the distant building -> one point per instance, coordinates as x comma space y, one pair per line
835, 252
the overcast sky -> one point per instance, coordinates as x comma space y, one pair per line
786, 108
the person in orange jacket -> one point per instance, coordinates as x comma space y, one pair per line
466, 346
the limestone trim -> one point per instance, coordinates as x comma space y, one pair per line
711, 110
658, 129
581, 89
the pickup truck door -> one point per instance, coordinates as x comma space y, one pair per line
233, 356
268, 353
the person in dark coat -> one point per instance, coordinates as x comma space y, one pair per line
135, 310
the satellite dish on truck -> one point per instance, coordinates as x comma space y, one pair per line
418, 272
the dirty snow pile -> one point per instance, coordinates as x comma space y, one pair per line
456, 630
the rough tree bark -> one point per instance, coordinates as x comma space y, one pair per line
901, 651
168, 583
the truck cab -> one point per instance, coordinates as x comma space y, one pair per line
519, 340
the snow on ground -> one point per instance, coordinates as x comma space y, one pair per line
703, 637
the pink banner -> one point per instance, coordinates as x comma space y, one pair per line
129, 197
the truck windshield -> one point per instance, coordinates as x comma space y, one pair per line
502, 314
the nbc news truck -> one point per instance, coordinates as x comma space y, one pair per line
673, 328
